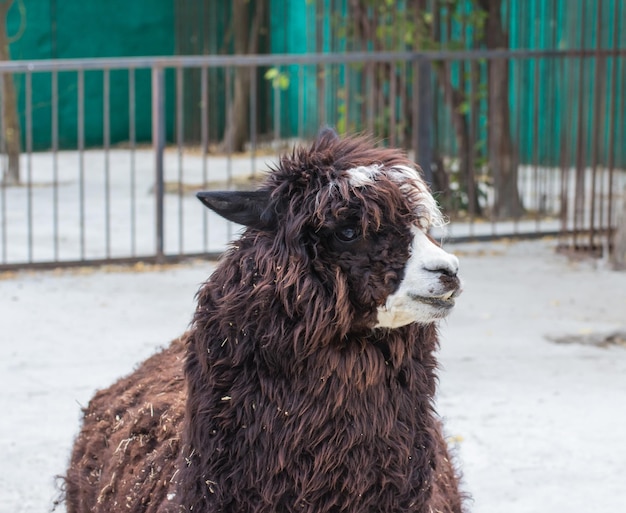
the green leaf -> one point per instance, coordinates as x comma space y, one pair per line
271, 74
464, 108
283, 81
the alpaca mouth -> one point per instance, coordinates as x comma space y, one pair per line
444, 301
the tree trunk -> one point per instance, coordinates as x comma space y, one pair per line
503, 159
10, 122
455, 98
246, 40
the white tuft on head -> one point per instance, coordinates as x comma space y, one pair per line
411, 184
363, 175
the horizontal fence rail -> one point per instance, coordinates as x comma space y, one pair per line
243, 60
112, 150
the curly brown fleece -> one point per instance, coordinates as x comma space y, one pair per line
283, 396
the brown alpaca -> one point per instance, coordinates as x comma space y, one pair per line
306, 381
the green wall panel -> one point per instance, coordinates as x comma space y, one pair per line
80, 29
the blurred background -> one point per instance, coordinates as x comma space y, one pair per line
114, 113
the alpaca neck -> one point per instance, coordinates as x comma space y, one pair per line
289, 437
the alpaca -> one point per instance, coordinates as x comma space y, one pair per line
306, 380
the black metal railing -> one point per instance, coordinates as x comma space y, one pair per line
120, 188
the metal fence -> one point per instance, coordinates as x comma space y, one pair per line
129, 199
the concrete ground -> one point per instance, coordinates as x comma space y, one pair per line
536, 424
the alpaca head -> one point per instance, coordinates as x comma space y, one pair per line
343, 225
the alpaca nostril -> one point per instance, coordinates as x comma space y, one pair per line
445, 268
448, 271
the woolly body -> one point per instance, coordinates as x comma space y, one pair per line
308, 374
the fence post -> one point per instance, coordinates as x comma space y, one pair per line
617, 237
423, 116
158, 146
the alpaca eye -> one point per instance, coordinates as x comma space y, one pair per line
347, 234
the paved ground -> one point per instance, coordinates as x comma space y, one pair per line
537, 425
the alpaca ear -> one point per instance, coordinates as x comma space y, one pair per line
327, 133
249, 208
325, 138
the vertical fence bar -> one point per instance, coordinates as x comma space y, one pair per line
496, 170
253, 118
55, 162
550, 128
552, 114
321, 94
570, 118
319, 68
204, 136
564, 196
276, 89
612, 128
28, 118
423, 144
535, 144
3, 181
369, 94
228, 136
346, 97
392, 104
379, 100
301, 101
598, 88
106, 137
81, 157
132, 139
473, 129
579, 193
228, 141
415, 92
403, 105
158, 147
518, 70
179, 150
